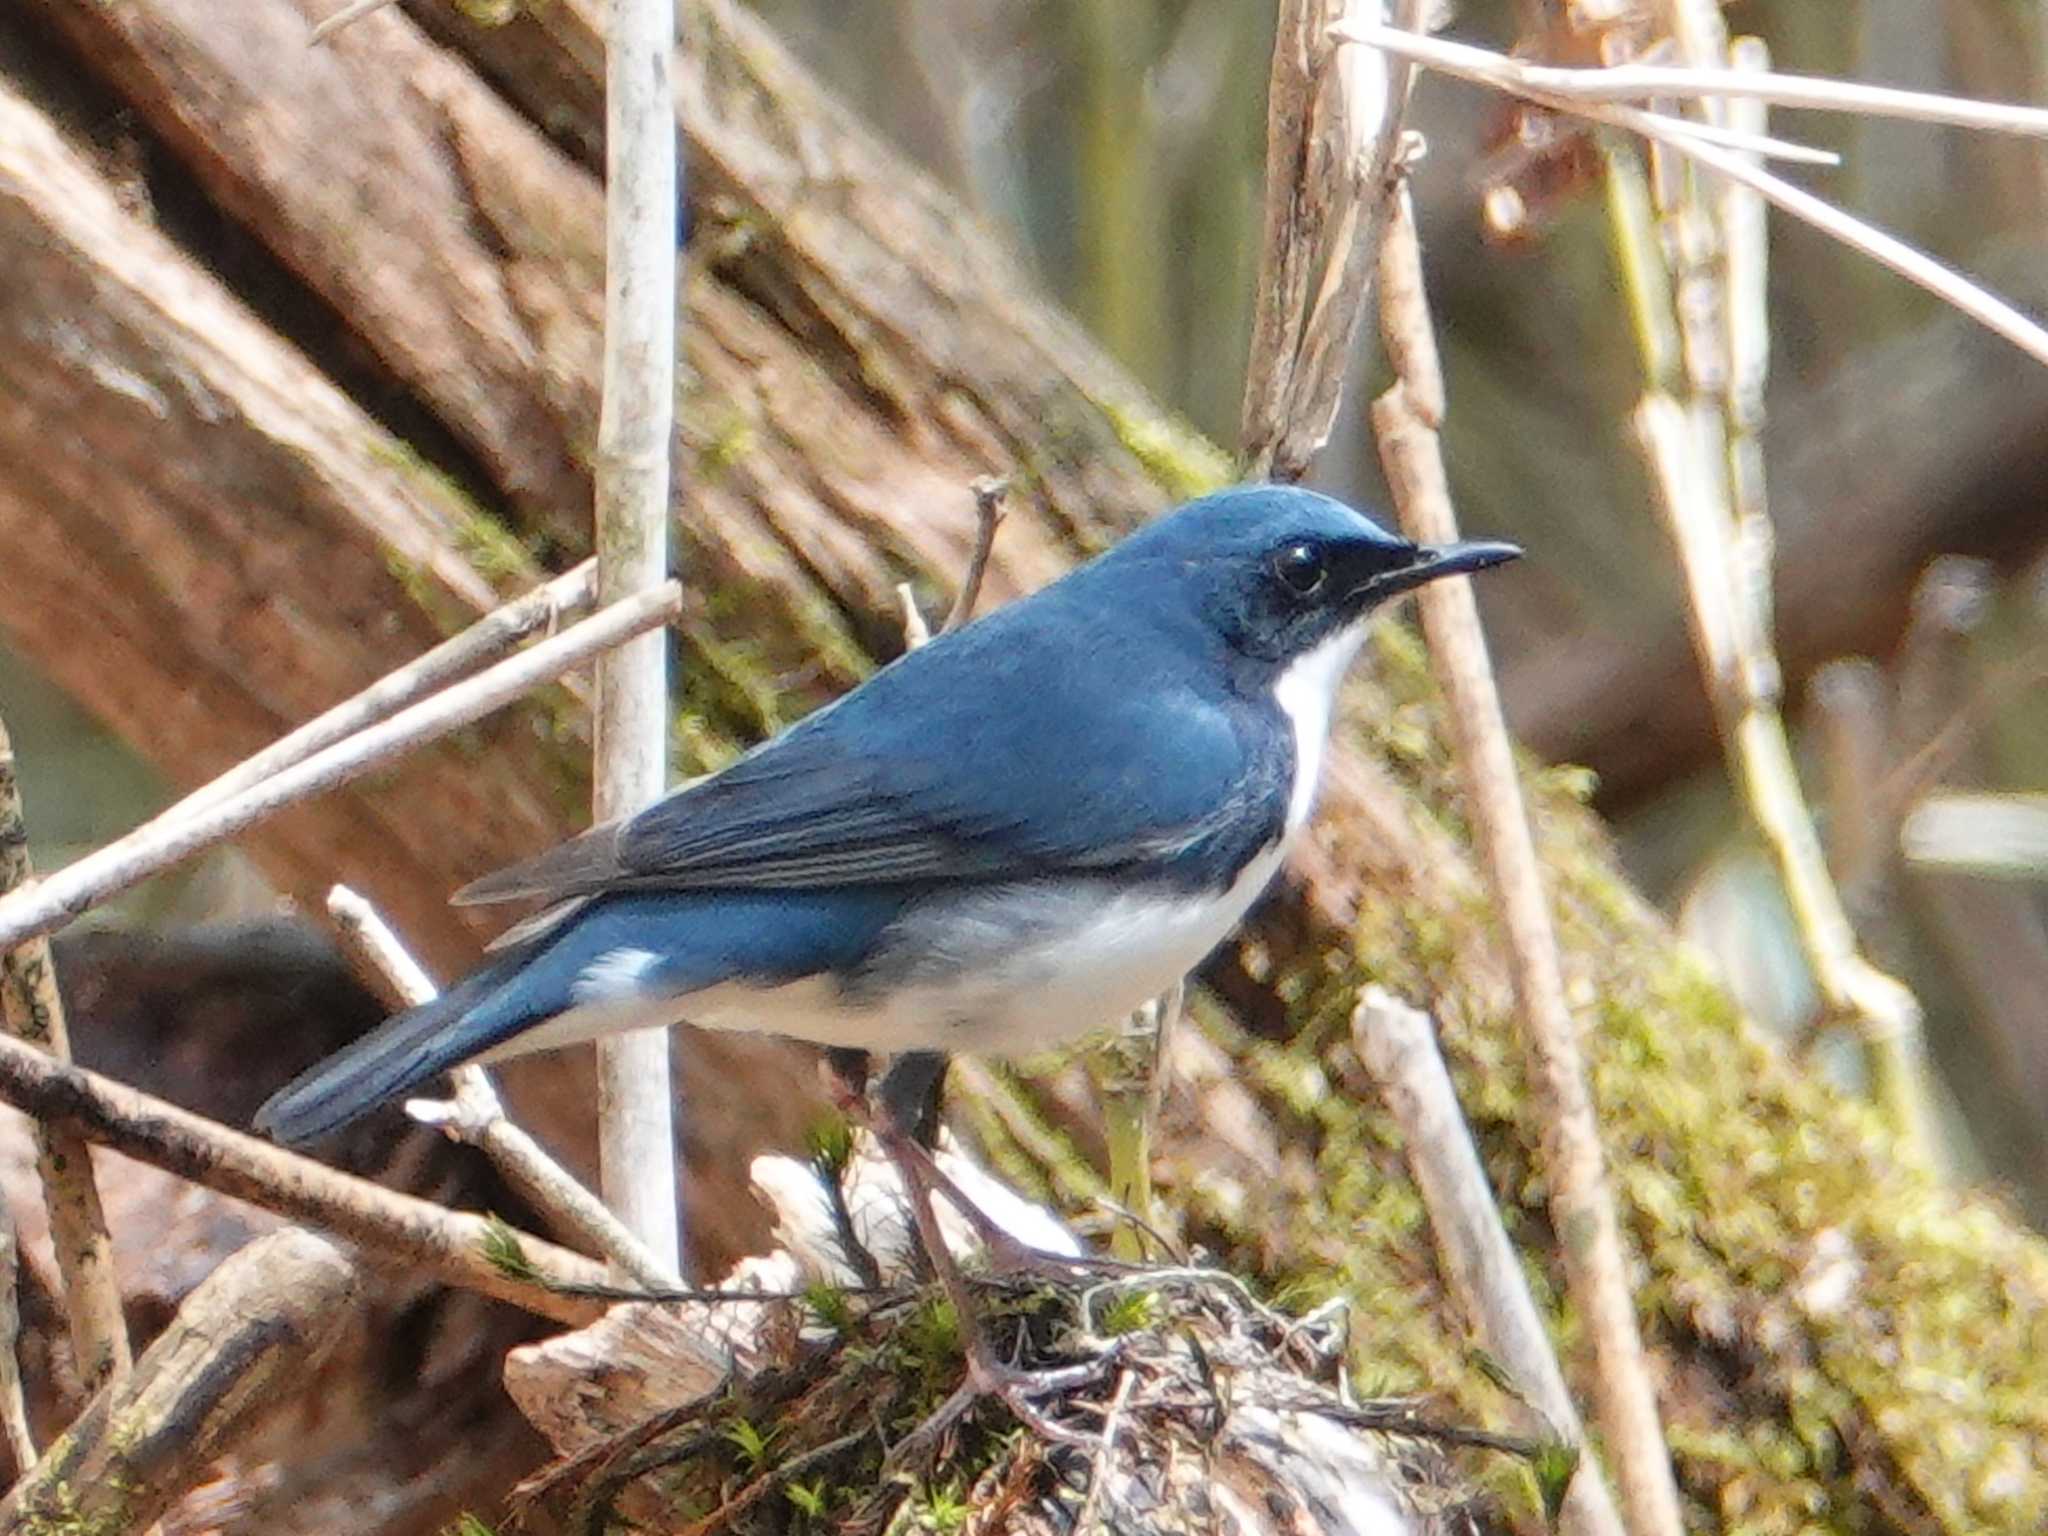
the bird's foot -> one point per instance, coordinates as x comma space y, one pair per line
1018, 1390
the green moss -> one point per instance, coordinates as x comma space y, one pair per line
727, 438
58, 1512
1929, 1362
1177, 458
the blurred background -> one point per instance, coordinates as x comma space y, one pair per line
1118, 148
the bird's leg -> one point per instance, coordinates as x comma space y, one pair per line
908, 1095
987, 1376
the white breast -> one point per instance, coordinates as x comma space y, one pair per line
1307, 692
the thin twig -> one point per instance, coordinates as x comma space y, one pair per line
1916, 266
32, 1010
1105, 1457
916, 631
1408, 417
14, 1425
1399, 1049
490, 637
1884, 1012
1647, 82
254, 1331
1706, 461
157, 844
455, 1247
636, 1153
349, 14
989, 494
477, 1116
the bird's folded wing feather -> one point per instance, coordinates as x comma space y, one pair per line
997, 752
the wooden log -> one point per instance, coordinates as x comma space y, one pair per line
237, 1347
188, 499
208, 543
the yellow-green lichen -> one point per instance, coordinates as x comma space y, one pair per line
1174, 456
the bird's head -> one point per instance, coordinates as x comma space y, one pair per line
1280, 572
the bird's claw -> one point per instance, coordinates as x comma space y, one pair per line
1016, 1390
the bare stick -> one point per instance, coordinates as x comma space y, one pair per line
1706, 461
635, 1108
255, 1329
1407, 418
488, 638
1333, 121
158, 844
1646, 82
1884, 1012
1399, 1048
1916, 266
349, 14
21, 1444
989, 494
477, 1116
33, 1010
455, 1247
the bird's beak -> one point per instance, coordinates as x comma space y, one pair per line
1434, 560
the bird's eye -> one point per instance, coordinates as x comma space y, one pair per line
1301, 569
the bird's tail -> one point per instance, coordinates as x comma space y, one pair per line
397, 1056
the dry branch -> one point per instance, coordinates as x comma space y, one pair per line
454, 1246
1398, 1046
1333, 122
14, 1425
856, 352
159, 844
1407, 419
33, 1011
497, 632
1653, 82
636, 1152
252, 1333
151, 454
477, 1116
1698, 143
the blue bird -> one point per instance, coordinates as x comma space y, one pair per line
1010, 837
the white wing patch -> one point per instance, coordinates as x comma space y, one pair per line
613, 976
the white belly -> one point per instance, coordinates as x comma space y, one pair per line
962, 980
1003, 999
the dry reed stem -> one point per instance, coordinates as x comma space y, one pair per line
636, 421
14, 1425
1398, 1046
348, 15
1333, 121
1916, 266
1408, 418
1621, 83
454, 1247
1706, 461
477, 1116
161, 842
32, 1010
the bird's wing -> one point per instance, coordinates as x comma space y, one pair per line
1001, 751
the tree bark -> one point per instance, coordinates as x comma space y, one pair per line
264, 1319
1828, 1325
